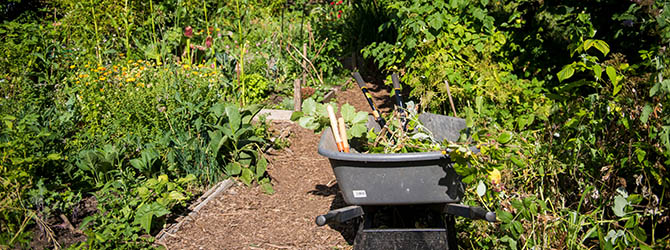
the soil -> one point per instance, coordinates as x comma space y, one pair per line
246, 218
65, 229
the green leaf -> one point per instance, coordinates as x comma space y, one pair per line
617, 88
146, 212
517, 161
234, 117
176, 196
53, 156
233, 168
611, 73
646, 111
361, 117
602, 46
187, 179
512, 242
266, 186
588, 43
469, 117
348, 112
296, 115
620, 204
138, 164
261, 166
435, 21
481, 189
505, 137
308, 122
246, 176
504, 216
217, 109
309, 106
654, 89
356, 131
468, 179
479, 103
566, 72
635, 198
598, 71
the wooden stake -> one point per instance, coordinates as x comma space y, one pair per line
333, 126
304, 63
453, 108
297, 95
343, 134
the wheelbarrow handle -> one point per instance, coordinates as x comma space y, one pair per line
375, 112
339, 215
398, 98
475, 213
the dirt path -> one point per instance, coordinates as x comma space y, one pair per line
246, 218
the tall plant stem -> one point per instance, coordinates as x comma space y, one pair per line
209, 33
97, 40
240, 75
125, 21
153, 30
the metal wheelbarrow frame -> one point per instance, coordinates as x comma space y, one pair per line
425, 178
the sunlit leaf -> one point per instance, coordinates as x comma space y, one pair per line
566, 72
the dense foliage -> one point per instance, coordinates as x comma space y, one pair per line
133, 106
567, 103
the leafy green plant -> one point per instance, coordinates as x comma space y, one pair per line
143, 208
314, 116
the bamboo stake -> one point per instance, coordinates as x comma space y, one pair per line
453, 108
297, 96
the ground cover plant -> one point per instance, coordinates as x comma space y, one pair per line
115, 114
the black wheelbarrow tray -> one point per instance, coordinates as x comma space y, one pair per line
424, 178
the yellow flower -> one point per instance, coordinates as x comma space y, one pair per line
72, 66
102, 78
494, 176
159, 63
131, 79
86, 66
77, 82
101, 68
102, 90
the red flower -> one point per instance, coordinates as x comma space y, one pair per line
339, 11
188, 32
339, 15
331, 3
208, 42
339, 2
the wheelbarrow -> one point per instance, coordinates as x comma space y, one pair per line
400, 185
